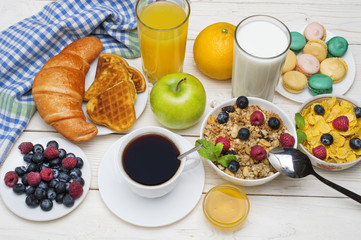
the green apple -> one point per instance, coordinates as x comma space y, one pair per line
178, 100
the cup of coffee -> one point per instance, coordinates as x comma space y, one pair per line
147, 161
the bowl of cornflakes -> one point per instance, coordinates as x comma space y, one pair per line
248, 128
331, 126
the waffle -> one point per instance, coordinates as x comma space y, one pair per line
106, 77
113, 108
138, 79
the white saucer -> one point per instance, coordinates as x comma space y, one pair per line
16, 203
145, 212
139, 105
338, 88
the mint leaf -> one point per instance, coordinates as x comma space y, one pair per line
226, 159
219, 148
301, 136
208, 150
300, 121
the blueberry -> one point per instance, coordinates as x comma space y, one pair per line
55, 162
67, 185
75, 173
68, 200
40, 193
62, 153
32, 201
28, 157
357, 111
242, 102
59, 197
243, 133
80, 180
70, 155
64, 170
24, 179
326, 139
319, 109
38, 148
79, 162
38, 157
43, 185
355, 143
230, 152
60, 187
19, 188
53, 143
56, 172
20, 171
29, 190
53, 183
46, 205
32, 167
274, 123
228, 109
222, 117
51, 194
233, 166
45, 165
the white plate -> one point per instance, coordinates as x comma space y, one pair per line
338, 88
146, 212
16, 203
139, 105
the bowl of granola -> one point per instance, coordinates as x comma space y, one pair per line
331, 125
237, 136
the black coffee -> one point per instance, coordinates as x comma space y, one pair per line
151, 159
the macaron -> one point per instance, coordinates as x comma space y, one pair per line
317, 48
335, 68
307, 64
314, 31
319, 84
337, 46
298, 41
294, 81
290, 62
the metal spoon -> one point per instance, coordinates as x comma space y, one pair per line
295, 164
189, 151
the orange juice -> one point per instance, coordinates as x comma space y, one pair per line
226, 206
162, 28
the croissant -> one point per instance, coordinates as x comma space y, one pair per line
58, 89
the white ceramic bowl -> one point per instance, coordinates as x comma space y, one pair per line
266, 105
316, 161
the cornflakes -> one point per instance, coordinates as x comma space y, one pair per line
317, 125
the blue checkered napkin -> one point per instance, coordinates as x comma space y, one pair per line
27, 45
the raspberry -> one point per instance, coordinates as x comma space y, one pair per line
75, 189
340, 123
47, 174
69, 162
51, 152
287, 140
11, 178
258, 152
226, 143
257, 118
320, 152
25, 147
33, 179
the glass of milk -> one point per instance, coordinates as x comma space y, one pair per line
260, 48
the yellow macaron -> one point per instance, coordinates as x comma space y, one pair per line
317, 48
290, 62
335, 68
294, 81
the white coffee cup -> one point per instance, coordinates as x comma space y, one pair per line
153, 191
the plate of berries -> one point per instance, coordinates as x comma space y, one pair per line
44, 179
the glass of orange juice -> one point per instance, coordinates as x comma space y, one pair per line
162, 29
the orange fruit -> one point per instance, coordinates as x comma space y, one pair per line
213, 50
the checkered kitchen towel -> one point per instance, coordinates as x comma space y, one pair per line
27, 45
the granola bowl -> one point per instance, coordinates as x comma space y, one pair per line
251, 171
340, 155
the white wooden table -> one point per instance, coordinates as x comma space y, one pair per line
282, 209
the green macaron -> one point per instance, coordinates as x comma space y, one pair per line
298, 41
320, 84
337, 46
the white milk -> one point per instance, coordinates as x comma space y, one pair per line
260, 48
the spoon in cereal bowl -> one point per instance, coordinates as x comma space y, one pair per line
295, 164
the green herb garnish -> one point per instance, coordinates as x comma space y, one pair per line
213, 152
301, 136
300, 124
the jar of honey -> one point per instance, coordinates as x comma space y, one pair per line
226, 206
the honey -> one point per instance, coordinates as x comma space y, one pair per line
226, 206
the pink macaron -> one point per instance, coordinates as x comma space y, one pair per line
314, 31
307, 64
